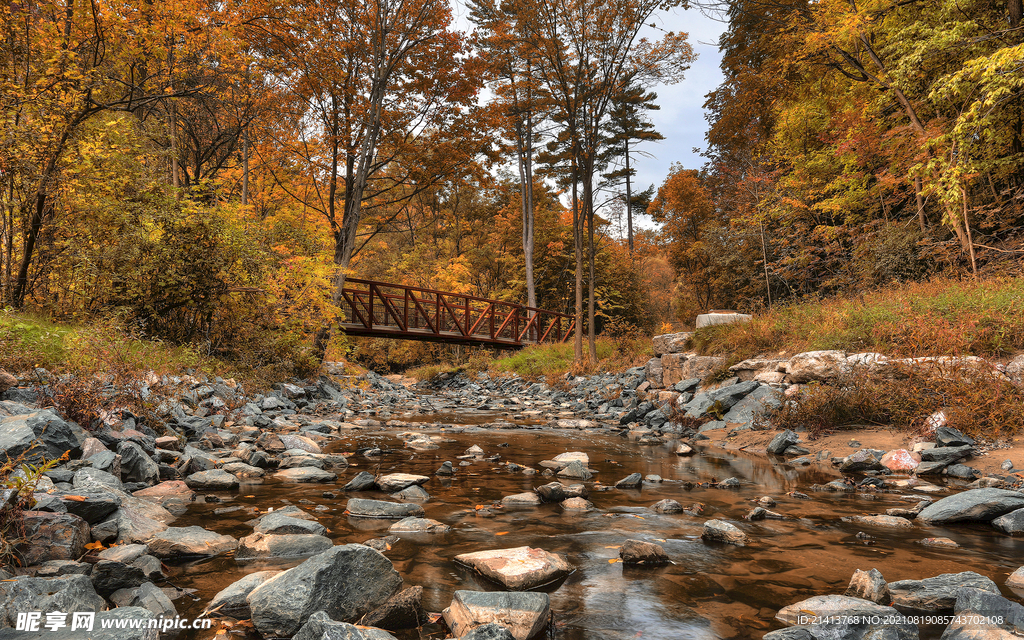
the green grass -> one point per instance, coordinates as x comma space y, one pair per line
940, 317
28, 341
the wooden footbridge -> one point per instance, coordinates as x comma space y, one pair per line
384, 310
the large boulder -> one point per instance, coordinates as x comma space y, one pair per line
176, 542
977, 611
38, 435
519, 568
232, 601
523, 614
346, 582
975, 505
642, 552
147, 596
816, 365
721, 531
937, 594
110, 575
402, 611
65, 593
671, 342
654, 372
714, 318
783, 441
136, 466
52, 536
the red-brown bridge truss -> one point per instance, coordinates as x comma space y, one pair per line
383, 310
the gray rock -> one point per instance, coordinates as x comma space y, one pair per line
321, 627
278, 523
362, 481
632, 481
288, 545
975, 505
667, 506
937, 594
863, 460
418, 525
176, 542
231, 602
824, 606
489, 631
148, 596
524, 614
306, 474
782, 441
55, 568
38, 435
1012, 523
869, 585
720, 531
641, 552
557, 492
136, 466
360, 508
346, 582
212, 480
984, 603
96, 480
52, 536
402, 611
96, 507
415, 492
393, 482
109, 575
947, 455
575, 470
151, 567
950, 437
64, 593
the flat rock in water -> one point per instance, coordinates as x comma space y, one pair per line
419, 525
888, 522
278, 523
306, 474
569, 456
975, 505
288, 545
524, 614
362, 481
632, 481
526, 499
212, 480
576, 470
231, 601
398, 481
519, 568
937, 594
820, 606
720, 531
175, 542
361, 508
346, 582
576, 504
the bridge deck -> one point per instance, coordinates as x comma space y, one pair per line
385, 310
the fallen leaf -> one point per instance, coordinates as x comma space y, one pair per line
501, 533
95, 545
613, 560
614, 546
76, 498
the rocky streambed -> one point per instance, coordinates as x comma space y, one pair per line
428, 511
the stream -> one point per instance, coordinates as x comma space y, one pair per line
709, 590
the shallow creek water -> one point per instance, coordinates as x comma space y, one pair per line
710, 590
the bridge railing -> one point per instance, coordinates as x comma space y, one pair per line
393, 310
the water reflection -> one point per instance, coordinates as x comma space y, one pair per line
710, 591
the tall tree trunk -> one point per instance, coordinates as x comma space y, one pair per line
577, 240
921, 220
245, 168
588, 204
967, 228
629, 203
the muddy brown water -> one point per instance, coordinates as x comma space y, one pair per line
710, 590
